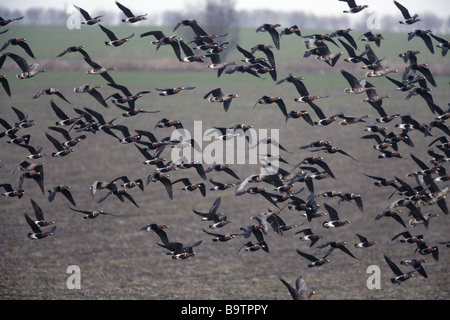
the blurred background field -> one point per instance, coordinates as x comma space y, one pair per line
118, 261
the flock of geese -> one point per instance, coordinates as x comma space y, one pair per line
73, 126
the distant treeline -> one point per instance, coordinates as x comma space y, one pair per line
220, 15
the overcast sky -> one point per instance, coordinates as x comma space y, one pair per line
327, 7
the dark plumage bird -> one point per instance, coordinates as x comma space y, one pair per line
189, 186
65, 190
212, 214
423, 34
88, 214
271, 29
5, 84
250, 69
305, 96
154, 159
399, 275
21, 140
401, 86
182, 252
408, 238
334, 218
352, 197
189, 23
198, 166
120, 193
309, 236
294, 29
51, 91
300, 114
92, 90
221, 185
4, 22
36, 174
417, 265
256, 230
101, 124
254, 62
88, 19
103, 184
158, 229
164, 179
319, 161
370, 37
218, 96
393, 214
128, 98
65, 120
269, 100
130, 17
353, 57
318, 40
443, 44
21, 42
423, 69
11, 192
410, 56
39, 214
346, 34
154, 227
224, 168
380, 181
295, 80
176, 249
408, 19
113, 40
269, 140
128, 184
167, 123
162, 39
219, 237
35, 152
37, 232
172, 91
275, 221
337, 245
424, 92
252, 247
189, 55
353, 7
79, 49
364, 242
323, 53
332, 150
266, 49
323, 119
316, 262
255, 191
424, 249
316, 144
